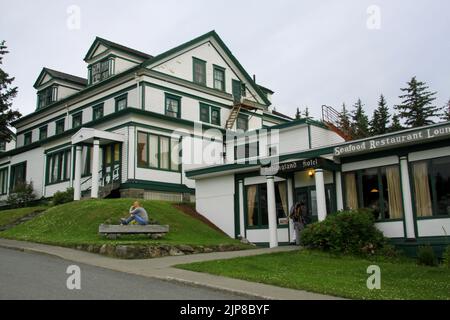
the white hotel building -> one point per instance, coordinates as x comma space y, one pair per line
119, 132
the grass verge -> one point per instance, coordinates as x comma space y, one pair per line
11, 215
343, 276
77, 223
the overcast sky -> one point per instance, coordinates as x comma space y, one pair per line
310, 54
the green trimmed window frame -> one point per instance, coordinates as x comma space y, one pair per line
77, 119
101, 70
43, 132
97, 111
436, 184
27, 138
199, 71
58, 166
47, 96
2, 146
242, 122
260, 208
18, 174
60, 126
209, 114
121, 102
150, 146
219, 78
3, 181
172, 105
378, 173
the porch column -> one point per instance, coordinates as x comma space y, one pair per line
95, 160
339, 194
290, 192
241, 209
272, 213
407, 199
77, 178
320, 194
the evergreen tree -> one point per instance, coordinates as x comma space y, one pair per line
360, 121
446, 113
416, 108
7, 115
344, 120
380, 118
298, 115
395, 125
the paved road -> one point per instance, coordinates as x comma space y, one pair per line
25, 275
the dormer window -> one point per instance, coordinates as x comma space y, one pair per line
47, 96
101, 70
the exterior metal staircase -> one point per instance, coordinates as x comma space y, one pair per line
233, 116
332, 118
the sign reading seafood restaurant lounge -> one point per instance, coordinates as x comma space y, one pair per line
393, 140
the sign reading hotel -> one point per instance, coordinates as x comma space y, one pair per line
291, 166
393, 140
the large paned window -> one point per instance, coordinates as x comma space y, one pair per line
59, 126
121, 102
47, 96
27, 138
158, 152
247, 150
43, 132
97, 111
4, 181
219, 78
242, 123
173, 106
18, 174
58, 166
378, 189
101, 70
256, 204
199, 71
431, 185
77, 120
209, 114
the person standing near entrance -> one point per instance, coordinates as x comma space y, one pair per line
297, 216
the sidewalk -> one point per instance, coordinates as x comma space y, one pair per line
162, 268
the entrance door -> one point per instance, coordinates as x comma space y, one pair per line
237, 91
111, 163
308, 196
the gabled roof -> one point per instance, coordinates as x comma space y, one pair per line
119, 47
265, 89
60, 75
212, 34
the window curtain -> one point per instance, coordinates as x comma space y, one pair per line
251, 199
422, 189
394, 192
283, 196
351, 195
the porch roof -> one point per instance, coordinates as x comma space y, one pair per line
88, 135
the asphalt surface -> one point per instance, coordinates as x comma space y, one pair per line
25, 275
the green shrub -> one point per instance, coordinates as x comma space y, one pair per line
61, 197
426, 256
350, 232
446, 257
22, 195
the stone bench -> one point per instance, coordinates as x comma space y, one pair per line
154, 231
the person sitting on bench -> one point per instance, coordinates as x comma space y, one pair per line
137, 213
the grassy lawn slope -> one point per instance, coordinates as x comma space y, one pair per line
342, 276
77, 223
12, 215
